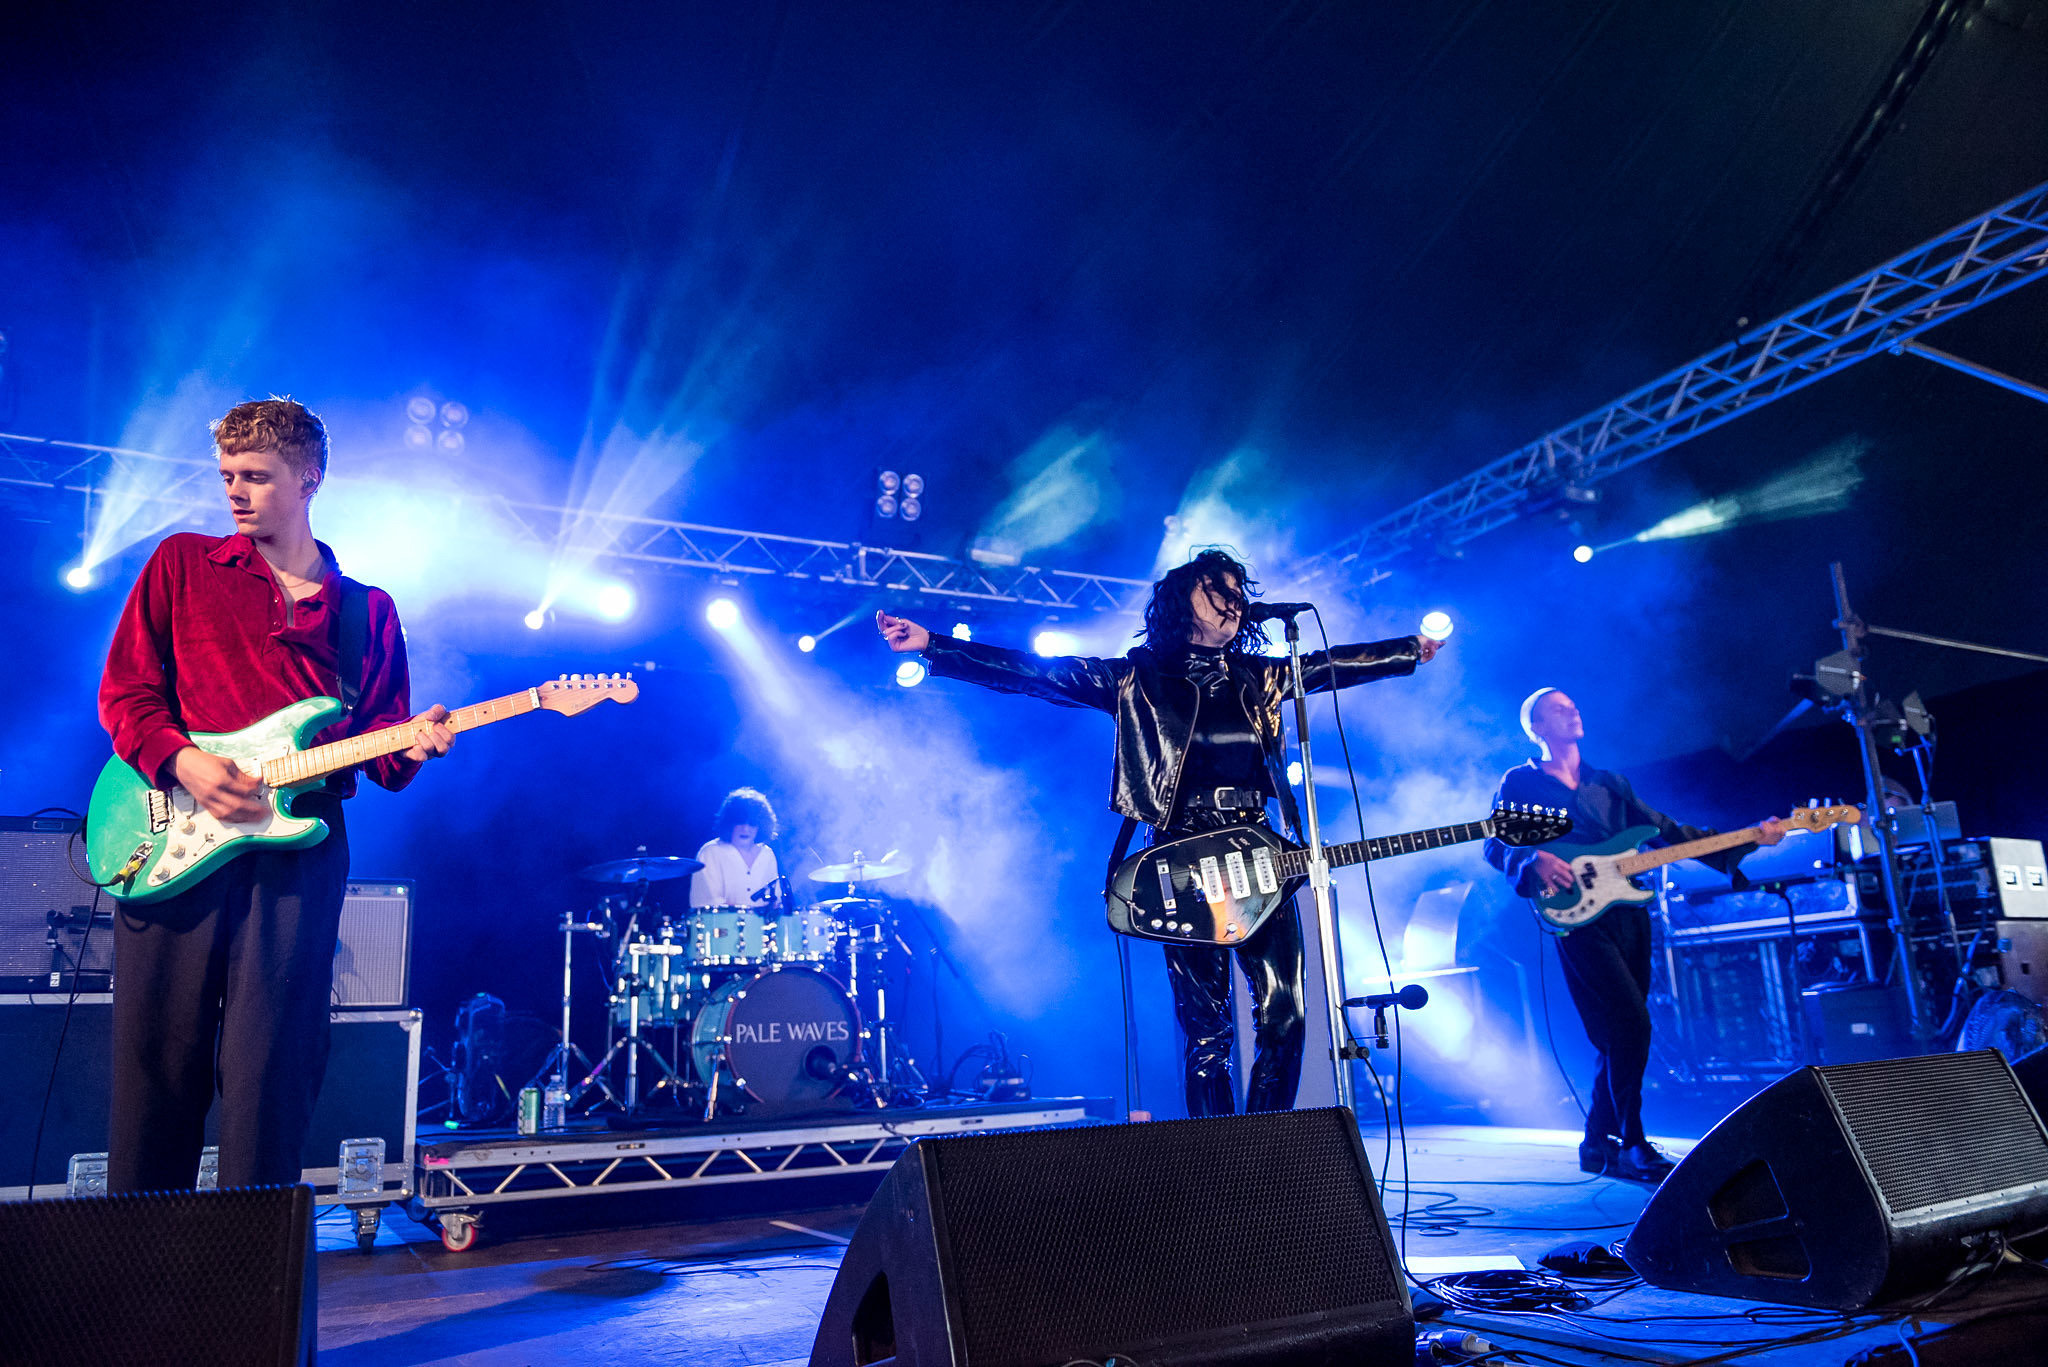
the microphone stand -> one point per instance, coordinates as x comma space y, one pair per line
1341, 1052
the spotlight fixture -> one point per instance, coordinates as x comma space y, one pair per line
962, 631
1294, 773
885, 505
1052, 641
1437, 626
909, 674
615, 602
1582, 553
451, 440
419, 438
887, 482
911, 509
78, 578
913, 486
535, 620
454, 414
722, 613
807, 643
419, 409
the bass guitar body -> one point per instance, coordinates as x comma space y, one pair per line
1598, 884
149, 843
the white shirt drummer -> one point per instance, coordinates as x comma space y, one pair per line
734, 870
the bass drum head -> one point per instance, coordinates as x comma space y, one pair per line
779, 1038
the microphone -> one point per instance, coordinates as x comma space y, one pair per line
1413, 997
1267, 612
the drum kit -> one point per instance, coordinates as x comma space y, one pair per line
768, 1008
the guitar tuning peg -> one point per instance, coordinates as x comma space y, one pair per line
561, 678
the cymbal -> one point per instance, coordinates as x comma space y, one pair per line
647, 868
856, 872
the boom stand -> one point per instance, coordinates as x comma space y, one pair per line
557, 1062
1341, 1052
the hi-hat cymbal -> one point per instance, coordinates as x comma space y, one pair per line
856, 872
646, 868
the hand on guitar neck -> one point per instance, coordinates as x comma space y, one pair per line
1553, 875
233, 794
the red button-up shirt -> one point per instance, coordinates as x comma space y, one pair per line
211, 642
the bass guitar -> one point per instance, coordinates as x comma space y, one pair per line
1604, 872
1219, 887
145, 843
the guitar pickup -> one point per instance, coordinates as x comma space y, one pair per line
1211, 875
1262, 870
1240, 883
159, 811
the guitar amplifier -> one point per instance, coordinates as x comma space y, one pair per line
373, 954
44, 909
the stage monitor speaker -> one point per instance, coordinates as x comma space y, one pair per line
1237, 1240
218, 1277
373, 953
1850, 1186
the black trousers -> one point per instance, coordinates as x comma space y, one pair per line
1200, 978
224, 988
1607, 968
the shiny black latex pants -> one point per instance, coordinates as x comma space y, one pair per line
1607, 968
1200, 978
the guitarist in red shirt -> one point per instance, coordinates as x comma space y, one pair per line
1198, 748
234, 972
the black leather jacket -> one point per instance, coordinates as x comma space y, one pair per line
1155, 709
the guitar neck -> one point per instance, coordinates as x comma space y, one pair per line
1646, 860
1294, 863
304, 766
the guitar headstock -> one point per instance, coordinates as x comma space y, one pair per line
1820, 818
573, 693
1525, 823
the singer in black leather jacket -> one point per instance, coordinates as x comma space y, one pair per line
1198, 746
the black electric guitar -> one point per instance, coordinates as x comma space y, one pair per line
1219, 887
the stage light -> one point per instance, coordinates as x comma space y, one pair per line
1437, 625
887, 482
454, 414
722, 613
911, 509
78, 577
1052, 641
615, 602
1294, 773
420, 409
807, 643
913, 486
885, 505
419, 438
451, 440
1582, 554
962, 631
535, 620
909, 674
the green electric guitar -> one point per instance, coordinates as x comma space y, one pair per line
146, 843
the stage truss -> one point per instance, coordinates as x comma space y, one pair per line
93, 472
1881, 311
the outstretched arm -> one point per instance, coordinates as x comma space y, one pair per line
1345, 666
1068, 680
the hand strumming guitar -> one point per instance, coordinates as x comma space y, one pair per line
904, 636
220, 785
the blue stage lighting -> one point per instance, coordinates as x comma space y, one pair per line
1437, 626
535, 620
962, 631
78, 578
910, 673
1052, 641
1582, 554
615, 602
807, 643
722, 613
1294, 773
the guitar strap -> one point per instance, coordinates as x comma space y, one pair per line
355, 639
1123, 847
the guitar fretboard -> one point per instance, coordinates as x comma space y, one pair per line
306, 765
1691, 849
1294, 863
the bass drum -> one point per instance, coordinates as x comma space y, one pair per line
781, 1040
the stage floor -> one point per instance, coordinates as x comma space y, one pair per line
743, 1288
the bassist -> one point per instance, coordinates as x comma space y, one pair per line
1607, 962
1198, 747
234, 973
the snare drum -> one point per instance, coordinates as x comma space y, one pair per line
782, 1039
730, 937
808, 935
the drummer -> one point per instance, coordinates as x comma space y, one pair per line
739, 867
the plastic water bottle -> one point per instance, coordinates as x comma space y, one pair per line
554, 1107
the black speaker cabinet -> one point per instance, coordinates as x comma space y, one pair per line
1237, 1240
1850, 1186
193, 1276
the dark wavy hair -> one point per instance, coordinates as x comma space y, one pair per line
745, 807
1170, 617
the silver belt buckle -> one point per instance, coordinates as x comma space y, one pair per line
1221, 803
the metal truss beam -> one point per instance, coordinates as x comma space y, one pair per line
1971, 264
79, 468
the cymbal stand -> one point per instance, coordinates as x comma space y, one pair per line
557, 1062
632, 1043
